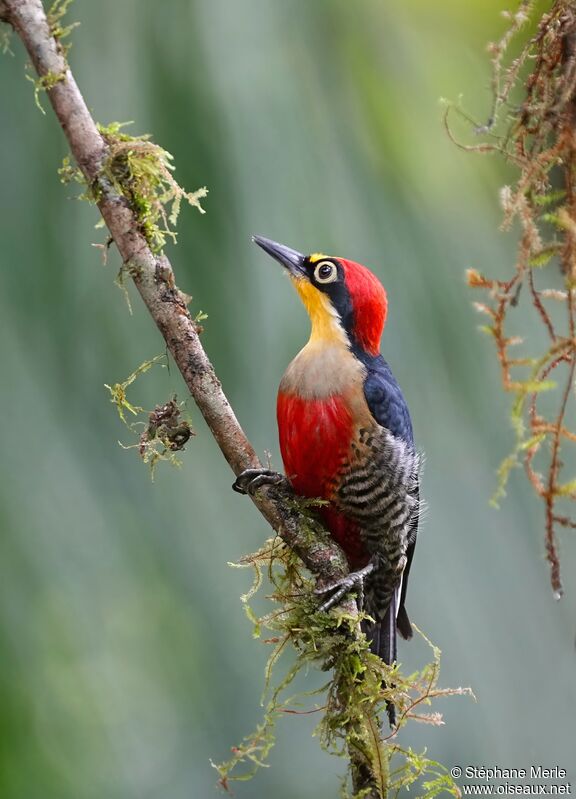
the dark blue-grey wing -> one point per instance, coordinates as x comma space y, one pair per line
386, 401
388, 407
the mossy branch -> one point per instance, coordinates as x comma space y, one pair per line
153, 277
130, 179
354, 697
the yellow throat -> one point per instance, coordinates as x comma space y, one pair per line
326, 327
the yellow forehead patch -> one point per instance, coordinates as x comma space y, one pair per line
316, 256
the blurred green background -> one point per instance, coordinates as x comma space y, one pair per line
126, 661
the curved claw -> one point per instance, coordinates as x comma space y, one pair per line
344, 586
250, 480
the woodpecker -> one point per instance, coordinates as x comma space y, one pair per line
346, 437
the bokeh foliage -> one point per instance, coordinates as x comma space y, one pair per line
127, 662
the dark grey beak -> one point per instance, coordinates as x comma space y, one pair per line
292, 260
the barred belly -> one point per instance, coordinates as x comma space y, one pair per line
377, 489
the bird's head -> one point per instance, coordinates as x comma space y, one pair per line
344, 300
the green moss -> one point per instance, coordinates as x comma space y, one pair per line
142, 172
68, 173
44, 84
55, 16
164, 434
352, 701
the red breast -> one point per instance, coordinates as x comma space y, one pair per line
315, 439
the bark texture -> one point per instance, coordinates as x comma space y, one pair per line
154, 278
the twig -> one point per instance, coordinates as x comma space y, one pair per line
154, 278
539, 139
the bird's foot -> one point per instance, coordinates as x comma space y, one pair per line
344, 586
250, 480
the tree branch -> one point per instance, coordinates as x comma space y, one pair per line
154, 278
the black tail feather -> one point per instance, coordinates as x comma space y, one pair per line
382, 637
403, 624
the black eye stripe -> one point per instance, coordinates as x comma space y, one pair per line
334, 288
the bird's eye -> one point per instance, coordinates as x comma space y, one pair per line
325, 272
